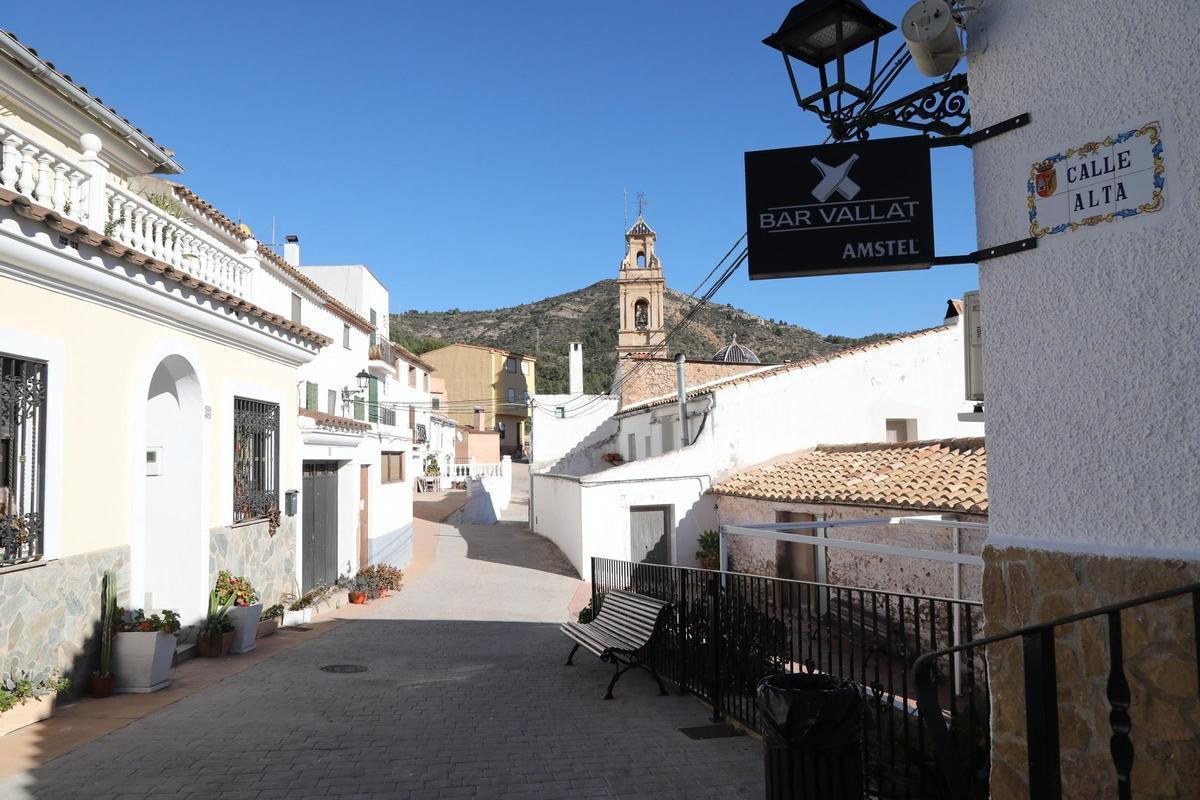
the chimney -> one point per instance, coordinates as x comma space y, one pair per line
479, 419
291, 249
954, 311
576, 368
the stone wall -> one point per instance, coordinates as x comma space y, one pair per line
50, 615
657, 377
1024, 586
854, 568
268, 562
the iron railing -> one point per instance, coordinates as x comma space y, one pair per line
22, 459
1040, 675
728, 630
255, 459
381, 349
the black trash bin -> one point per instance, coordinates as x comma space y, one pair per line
812, 727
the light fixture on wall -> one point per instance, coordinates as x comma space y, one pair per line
821, 33
364, 381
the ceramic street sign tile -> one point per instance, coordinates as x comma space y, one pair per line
1119, 177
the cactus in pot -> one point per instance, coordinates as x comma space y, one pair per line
101, 683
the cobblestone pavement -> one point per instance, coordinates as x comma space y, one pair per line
465, 695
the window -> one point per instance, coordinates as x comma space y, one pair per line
332, 400
22, 459
512, 395
346, 336
425, 379
641, 315
412, 376
901, 430
641, 260
668, 435
437, 403
560, 412
510, 364
503, 429
372, 318
392, 467
311, 393
633, 447
412, 417
296, 308
373, 400
648, 440
255, 459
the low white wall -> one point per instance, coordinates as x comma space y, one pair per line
557, 514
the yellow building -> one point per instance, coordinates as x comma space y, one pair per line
497, 381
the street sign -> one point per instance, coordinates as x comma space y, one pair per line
840, 208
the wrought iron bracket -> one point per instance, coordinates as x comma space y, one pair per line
975, 137
939, 108
987, 253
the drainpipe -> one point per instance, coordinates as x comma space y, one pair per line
684, 435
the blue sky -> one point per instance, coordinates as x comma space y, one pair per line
475, 154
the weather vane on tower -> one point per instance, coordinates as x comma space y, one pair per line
642, 202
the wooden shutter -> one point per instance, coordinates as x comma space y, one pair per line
310, 401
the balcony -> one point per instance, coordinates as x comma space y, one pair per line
381, 356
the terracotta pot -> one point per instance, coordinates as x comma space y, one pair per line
207, 650
710, 562
358, 598
100, 685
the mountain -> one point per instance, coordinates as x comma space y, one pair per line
543, 328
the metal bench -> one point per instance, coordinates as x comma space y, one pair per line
621, 634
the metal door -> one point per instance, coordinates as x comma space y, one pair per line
649, 534
364, 494
319, 525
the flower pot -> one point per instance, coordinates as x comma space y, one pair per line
267, 627
300, 617
245, 627
358, 598
34, 709
100, 685
710, 562
210, 649
142, 661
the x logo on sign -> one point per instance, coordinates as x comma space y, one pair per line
835, 179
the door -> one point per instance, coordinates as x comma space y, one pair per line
319, 524
650, 534
364, 494
796, 561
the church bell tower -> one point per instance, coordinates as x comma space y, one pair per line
640, 285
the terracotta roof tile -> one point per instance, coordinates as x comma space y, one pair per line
948, 475
332, 421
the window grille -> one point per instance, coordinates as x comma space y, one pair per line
255, 459
22, 459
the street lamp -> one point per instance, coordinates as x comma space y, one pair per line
822, 32
364, 381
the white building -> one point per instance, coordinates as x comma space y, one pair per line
149, 349
653, 505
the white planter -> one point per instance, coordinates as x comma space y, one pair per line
142, 661
245, 627
34, 709
292, 618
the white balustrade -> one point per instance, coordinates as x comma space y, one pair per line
460, 469
43, 176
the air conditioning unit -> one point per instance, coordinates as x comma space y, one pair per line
973, 346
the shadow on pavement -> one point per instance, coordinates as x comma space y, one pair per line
512, 544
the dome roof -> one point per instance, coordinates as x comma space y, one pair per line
734, 353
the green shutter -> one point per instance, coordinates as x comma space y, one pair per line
311, 401
374, 398
360, 412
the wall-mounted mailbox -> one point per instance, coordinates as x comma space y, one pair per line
291, 502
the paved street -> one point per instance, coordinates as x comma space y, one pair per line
464, 695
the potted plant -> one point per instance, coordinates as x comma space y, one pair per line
25, 700
216, 632
300, 610
244, 612
709, 553
613, 458
101, 682
356, 587
144, 650
268, 620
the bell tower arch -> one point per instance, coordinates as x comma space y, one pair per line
640, 287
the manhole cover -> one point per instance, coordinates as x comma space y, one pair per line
344, 668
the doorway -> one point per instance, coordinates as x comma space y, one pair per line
319, 525
364, 494
650, 534
174, 562
798, 561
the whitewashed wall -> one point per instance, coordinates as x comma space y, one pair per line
1090, 342
587, 419
842, 401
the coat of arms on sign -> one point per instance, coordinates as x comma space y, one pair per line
1121, 176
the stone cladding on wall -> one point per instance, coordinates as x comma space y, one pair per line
1025, 586
50, 615
268, 562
